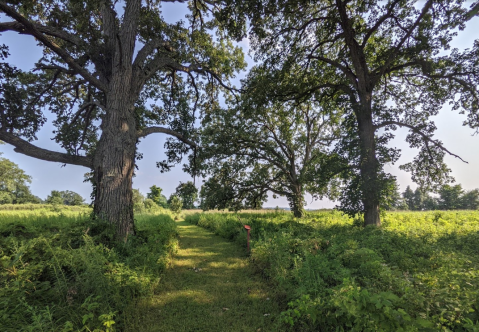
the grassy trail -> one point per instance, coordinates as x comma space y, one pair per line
210, 287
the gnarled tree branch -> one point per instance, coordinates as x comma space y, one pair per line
26, 148
47, 30
416, 130
31, 29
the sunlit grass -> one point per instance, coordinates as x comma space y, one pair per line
418, 271
210, 287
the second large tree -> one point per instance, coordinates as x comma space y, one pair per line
387, 63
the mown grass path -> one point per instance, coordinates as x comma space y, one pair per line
210, 287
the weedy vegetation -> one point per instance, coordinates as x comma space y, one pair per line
59, 271
418, 272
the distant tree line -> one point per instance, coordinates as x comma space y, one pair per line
449, 197
65, 197
14, 184
14, 188
184, 197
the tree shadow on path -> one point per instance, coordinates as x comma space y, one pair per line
210, 287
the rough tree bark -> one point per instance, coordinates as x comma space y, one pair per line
114, 161
364, 83
98, 61
369, 165
296, 202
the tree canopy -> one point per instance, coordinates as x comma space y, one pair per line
263, 145
448, 198
65, 197
175, 204
343, 73
157, 197
112, 73
188, 193
388, 64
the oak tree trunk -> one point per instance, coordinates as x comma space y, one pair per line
369, 165
114, 160
297, 202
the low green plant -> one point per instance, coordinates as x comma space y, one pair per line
418, 272
63, 272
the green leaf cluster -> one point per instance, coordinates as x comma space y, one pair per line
188, 193
65, 197
157, 197
14, 184
264, 145
381, 65
175, 204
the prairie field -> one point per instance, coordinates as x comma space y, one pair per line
59, 271
418, 272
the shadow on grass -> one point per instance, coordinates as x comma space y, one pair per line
210, 287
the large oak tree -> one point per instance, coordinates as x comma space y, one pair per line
112, 72
388, 63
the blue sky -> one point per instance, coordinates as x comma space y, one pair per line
48, 176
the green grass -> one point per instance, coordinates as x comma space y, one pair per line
418, 272
210, 287
44, 208
61, 272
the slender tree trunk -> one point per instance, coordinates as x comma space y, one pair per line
369, 165
114, 160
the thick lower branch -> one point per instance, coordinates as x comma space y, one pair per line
51, 31
26, 148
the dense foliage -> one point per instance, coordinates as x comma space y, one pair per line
111, 73
156, 196
418, 272
383, 64
61, 272
65, 197
175, 204
188, 193
261, 145
14, 184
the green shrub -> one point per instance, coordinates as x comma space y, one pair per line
418, 272
175, 204
64, 273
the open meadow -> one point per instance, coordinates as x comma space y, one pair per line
418, 272
62, 272
367, 106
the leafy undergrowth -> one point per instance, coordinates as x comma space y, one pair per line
418, 272
63, 272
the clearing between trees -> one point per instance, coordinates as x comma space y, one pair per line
210, 287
